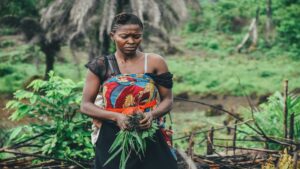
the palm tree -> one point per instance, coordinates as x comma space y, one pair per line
88, 21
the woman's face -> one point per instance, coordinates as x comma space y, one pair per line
127, 38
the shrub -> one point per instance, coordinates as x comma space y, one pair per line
269, 116
53, 107
288, 24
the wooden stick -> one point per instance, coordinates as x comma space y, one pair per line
291, 132
254, 149
205, 131
39, 156
285, 108
187, 159
234, 137
295, 160
248, 140
191, 145
210, 142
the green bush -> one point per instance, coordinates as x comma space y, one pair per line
18, 8
8, 31
5, 70
6, 43
269, 117
288, 24
53, 107
24, 53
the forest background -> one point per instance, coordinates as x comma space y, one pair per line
232, 54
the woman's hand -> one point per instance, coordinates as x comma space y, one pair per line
97, 122
122, 121
146, 122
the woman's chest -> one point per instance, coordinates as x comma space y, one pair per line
129, 90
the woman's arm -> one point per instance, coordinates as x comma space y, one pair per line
166, 96
90, 91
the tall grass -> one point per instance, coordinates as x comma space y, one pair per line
232, 75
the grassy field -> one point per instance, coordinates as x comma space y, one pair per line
232, 75
209, 64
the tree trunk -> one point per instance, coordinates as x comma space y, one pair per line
50, 49
268, 22
49, 65
252, 32
105, 44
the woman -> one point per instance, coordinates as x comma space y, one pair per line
129, 78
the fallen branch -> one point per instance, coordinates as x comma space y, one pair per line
187, 159
79, 164
254, 149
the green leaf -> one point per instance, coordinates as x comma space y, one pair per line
12, 104
16, 131
113, 156
21, 94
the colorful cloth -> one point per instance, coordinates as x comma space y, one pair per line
128, 90
132, 90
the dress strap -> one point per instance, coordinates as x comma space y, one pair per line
113, 65
146, 63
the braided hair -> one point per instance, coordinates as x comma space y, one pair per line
125, 19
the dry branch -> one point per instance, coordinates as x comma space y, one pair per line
210, 142
21, 155
187, 159
252, 32
253, 149
191, 145
285, 109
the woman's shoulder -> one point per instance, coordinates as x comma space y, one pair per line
158, 63
155, 57
97, 65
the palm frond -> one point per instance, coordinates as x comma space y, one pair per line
91, 19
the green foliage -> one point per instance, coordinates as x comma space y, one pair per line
24, 53
11, 78
22, 8
8, 31
230, 17
269, 117
54, 106
17, 64
288, 24
227, 11
224, 15
7, 43
5, 70
194, 24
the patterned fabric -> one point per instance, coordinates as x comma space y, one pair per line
131, 90
128, 90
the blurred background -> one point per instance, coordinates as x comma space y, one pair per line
231, 54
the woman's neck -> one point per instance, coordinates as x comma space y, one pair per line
126, 58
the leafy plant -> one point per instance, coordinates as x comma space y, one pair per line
53, 107
288, 24
22, 8
130, 140
269, 116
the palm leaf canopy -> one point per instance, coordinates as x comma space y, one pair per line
89, 21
